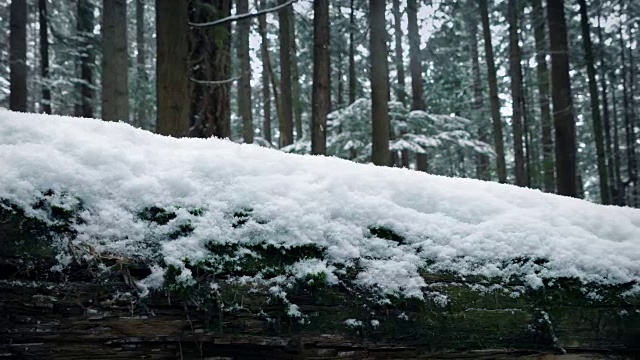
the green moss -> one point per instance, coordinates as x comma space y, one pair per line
385, 233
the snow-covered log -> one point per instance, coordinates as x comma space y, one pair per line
116, 243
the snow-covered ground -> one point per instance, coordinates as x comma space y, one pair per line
467, 226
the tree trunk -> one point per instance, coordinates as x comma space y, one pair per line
295, 84
539, 23
352, 54
86, 58
379, 84
563, 118
286, 121
493, 93
44, 56
399, 56
321, 91
482, 160
141, 70
616, 147
626, 109
415, 67
607, 122
266, 64
18, 56
115, 61
595, 105
172, 26
515, 72
244, 85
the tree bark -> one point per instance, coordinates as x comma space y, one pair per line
620, 198
286, 121
563, 117
415, 68
482, 160
321, 91
595, 105
626, 109
244, 85
141, 70
115, 61
295, 84
401, 94
515, 72
353, 81
539, 26
44, 56
379, 84
172, 19
613, 184
493, 93
86, 58
18, 56
266, 64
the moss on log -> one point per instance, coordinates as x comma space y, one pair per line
86, 312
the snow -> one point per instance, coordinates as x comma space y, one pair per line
466, 226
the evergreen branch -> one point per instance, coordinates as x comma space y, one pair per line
244, 16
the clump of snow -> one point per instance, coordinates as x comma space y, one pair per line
465, 226
353, 323
375, 323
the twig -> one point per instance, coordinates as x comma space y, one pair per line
244, 16
215, 82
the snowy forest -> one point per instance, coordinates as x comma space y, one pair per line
539, 94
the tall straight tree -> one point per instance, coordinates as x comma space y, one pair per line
595, 105
213, 65
399, 56
44, 55
18, 56
482, 160
353, 81
141, 58
86, 58
244, 86
266, 65
415, 68
321, 91
172, 26
515, 71
379, 83
115, 61
542, 70
493, 93
286, 121
563, 117
295, 84
611, 164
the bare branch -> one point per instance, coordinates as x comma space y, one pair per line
215, 82
244, 16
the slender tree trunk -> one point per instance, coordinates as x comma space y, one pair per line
44, 56
415, 68
493, 93
340, 60
244, 86
141, 70
628, 121
399, 56
352, 55
595, 105
379, 83
295, 84
321, 92
616, 147
563, 117
266, 64
632, 115
607, 122
515, 71
286, 122
172, 26
18, 56
86, 58
543, 93
115, 61
482, 160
